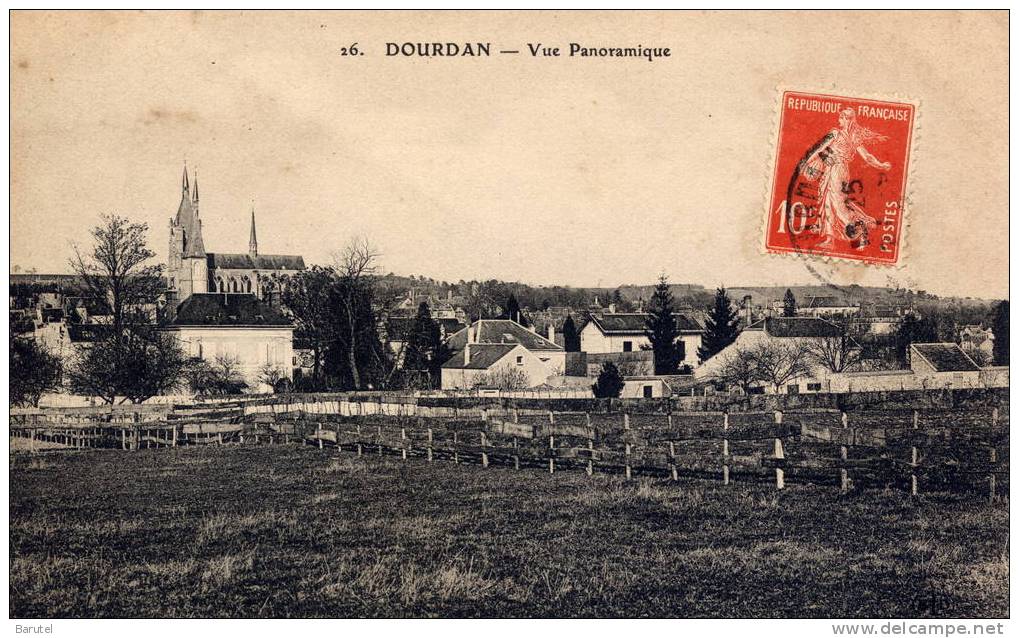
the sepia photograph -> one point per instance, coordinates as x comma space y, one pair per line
651, 314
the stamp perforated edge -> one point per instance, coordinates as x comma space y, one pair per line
907, 195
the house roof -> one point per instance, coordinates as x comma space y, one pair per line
828, 302
257, 262
483, 356
210, 309
634, 323
399, 328
945, 357
784, 327
502, 331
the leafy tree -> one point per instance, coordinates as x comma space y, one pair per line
306, 296
423, 341
34, 371
660, 328
721, 327
139, 364
999, 327
789, 304
571, 337
610, 382
914, 329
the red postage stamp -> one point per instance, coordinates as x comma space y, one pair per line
839, 182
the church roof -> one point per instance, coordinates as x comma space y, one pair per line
187, 217
211, 309
256, 262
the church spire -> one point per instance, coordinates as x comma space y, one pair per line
253, 240
195, 196
184, 181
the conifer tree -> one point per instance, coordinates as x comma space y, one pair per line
721, 327
571, 338
660, 328
789, 304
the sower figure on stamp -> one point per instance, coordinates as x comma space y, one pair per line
840, 213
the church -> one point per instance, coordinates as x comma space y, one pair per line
192, 270
224, 306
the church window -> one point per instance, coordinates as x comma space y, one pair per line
233, 285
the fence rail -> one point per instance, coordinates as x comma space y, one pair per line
915, 450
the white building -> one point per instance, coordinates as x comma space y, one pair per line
794, 332
494, 351
625, 332
238, 328
822, 306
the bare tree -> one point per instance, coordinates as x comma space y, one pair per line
740, 368
839, 352
272, 375
778, 363
356, 266
503, 378
114, 271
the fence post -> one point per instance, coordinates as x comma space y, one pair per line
429, 445
629, 470
456, 453
551, 417
220, 436
32, 444
339, 448
779, 472
844, 455
725, 448
991, 479
672, 458
175, 435
516, 415
403, 443
516, 454
626, 420
137, 436
484, 453
551, 454
378, 432
914, 487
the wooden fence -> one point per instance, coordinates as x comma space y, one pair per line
928, 450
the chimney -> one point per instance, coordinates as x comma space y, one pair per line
467, 345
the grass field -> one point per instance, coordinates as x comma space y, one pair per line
287, 531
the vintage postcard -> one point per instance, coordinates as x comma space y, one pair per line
510, 314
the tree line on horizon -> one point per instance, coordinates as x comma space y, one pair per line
337, 311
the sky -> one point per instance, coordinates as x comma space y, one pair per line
562, 170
